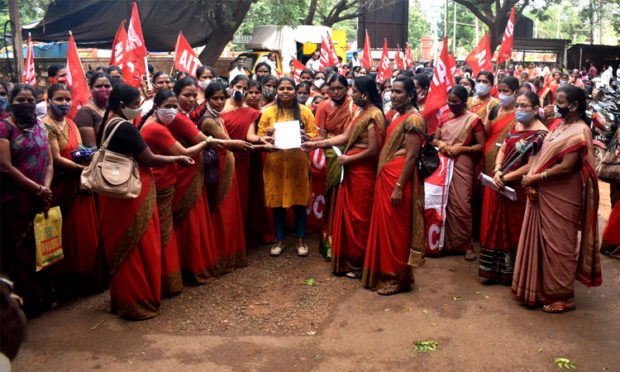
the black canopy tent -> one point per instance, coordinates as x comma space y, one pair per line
95, 22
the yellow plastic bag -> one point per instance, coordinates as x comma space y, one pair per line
48, 238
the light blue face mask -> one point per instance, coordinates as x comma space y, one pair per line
482, 89
524, 116
506, 100
3, 103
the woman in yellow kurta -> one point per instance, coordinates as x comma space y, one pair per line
286, 173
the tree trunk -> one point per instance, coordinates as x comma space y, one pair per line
226, 22
311, 12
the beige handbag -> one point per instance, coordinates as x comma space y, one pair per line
112, 174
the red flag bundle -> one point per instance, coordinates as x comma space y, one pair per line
333, 56
184, 57
298, 67
452, 66
324, 59
480, 58
29, 77
408, 57
385, 71
80, 94
367, 58
398, 60
134, 65
505, 50
437, 99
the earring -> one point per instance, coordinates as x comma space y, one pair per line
362, 102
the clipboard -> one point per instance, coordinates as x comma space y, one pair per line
507, 191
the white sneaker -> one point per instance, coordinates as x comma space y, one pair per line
303, 250
275, 250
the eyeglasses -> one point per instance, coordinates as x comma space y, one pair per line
519, 105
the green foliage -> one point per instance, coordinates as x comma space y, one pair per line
29, 10
565, 363
465, 29
424, 346
418, 26
309, 282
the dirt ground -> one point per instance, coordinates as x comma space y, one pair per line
263, 318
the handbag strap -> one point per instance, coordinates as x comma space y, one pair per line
105, 144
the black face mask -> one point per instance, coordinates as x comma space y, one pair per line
238, 95
24, 115
562, 111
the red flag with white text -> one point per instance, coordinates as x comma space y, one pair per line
118, 47
29, 76
367, 57
80, 94
325, 57
398, 60
298, 67
505, 50
481, 58
452, 67
135, 51
436, 188
408, 57
185, 58
437, 99
385, 70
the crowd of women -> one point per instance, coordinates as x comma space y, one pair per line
213, 182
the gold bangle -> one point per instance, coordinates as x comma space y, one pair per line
399, 185
543, 175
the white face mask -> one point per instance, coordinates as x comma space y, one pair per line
40, 110
319, 83
204, 84
482, 89
166, 115
132, 113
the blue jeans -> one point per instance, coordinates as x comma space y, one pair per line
279, 218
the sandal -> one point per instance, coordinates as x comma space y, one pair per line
388, 291
355, 274
470, 255
559, 307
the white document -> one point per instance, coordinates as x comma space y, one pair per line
508, 192
339, 153
287, 135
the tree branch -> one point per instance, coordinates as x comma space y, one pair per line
311, 12
476, 11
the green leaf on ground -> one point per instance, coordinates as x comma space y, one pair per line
97, 325
424, 346
308, 282
406, 310
425, 311
456, 298
317, 357
565, 363
486, 297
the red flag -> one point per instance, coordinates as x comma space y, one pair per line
480, 58
367, 58
408, 57
29, 76
452, 66
333, 56
80, 94
324, 59
437, 99
398, 60
118, 47
298, 67
134, 66
505, 50
184, 57
385, 71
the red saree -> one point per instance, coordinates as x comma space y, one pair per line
226, 216
498, 130
237, 123
354, 202
159, 140
611, 234
130, 232
396, 237
551, 252
458, 224
190, 212
499, 249
82, 266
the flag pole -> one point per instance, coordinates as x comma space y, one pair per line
148, 78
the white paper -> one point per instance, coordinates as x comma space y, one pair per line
507, 191
339, 153
287, 135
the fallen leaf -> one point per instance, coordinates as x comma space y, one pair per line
406, 310
478, 292
97, 325
425, 311
424, 346
317, 357
565, 363
456, 298
311, 333
387, 309
470, 326
540, 349
308, 282
434, 324
486, 297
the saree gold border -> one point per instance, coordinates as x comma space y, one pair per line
191, 194
345, 264
164, 203
218, 191
171, 283
138, 310
361, 122
135, 231
377, 280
